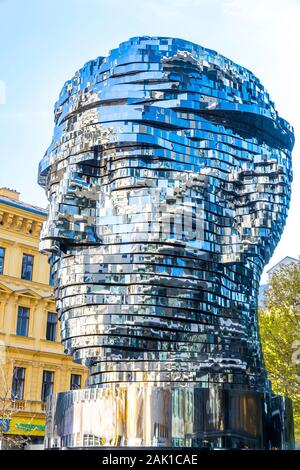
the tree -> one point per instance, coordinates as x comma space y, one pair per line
279, 322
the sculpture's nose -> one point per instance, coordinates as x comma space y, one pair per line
44, 167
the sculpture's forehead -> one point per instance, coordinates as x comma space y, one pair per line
149, 51
147, 77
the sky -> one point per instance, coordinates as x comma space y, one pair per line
43, 43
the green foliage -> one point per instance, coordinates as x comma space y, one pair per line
279, 324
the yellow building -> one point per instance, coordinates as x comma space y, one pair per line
32, 362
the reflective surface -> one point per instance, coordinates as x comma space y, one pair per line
168, 179
146, 415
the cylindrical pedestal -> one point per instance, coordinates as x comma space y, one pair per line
148, 415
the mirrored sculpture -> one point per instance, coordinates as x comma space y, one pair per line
168, 180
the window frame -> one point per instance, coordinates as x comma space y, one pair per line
45, 393
22, 318
50, 326
2, 259
17, 382
74, 386
25, 265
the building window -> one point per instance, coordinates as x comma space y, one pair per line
27, 267
23, 321
75, 382
2, 253
51, 326
47, 386
17, 392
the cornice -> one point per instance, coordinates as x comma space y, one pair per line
38, 354
19, 207
17, 284
20, 221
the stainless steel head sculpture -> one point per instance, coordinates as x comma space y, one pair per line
168, 179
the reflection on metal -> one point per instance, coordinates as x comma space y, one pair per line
168, 179
146, 415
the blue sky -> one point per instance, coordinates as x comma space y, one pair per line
43, 42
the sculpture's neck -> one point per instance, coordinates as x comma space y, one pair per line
161, 314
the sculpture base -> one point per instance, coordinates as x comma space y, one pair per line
148, 415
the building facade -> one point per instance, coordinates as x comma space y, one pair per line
33, 363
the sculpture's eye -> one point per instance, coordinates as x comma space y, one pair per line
249, 125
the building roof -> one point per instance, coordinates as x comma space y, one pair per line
22, 205
283, 261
